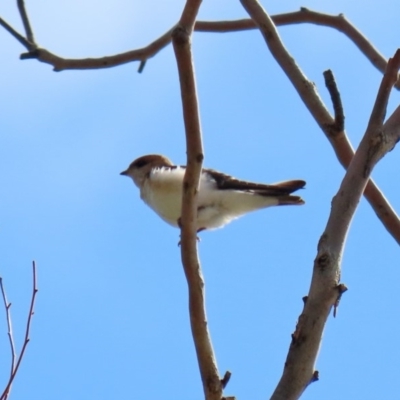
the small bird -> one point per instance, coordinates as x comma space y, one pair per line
221, 198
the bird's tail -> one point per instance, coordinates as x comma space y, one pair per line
289, 187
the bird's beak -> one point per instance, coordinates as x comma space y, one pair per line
125, 173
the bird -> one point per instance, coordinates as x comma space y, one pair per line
221, 198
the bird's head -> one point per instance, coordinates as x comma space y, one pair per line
140, 168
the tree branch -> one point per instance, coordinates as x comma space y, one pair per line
325, 289
25, 21
308, 93
344, 152
7, 307
16, 365
181, 37
15, 34
330, 84
337, 22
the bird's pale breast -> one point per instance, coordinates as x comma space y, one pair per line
162, 191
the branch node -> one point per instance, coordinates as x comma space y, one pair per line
225, 379
296, 336
323, 261
200, 157
315, 377
341, 288
141, 66
180, 35
30, 54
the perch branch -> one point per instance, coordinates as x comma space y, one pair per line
325, 289
308, 93
14, 371
181, 37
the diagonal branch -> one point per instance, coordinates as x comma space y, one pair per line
181, 37
325, 290
345, 152
25, 20
16, 34
308, 93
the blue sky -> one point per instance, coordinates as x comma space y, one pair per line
111, 317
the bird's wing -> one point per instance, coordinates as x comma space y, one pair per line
227, 182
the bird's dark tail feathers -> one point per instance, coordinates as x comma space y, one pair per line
289, 187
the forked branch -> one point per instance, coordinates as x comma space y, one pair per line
308, 93
16, 361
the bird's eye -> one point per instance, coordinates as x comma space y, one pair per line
140, 163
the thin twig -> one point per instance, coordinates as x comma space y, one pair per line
226, 378
379, 139
25, 21
181, 37
341, 288
7, 307
330, 84
15, 34
27, 331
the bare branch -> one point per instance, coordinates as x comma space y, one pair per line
308, 93
345, 152
60, 64
16, 34
7, 307
330, 83
6, 391
338, 22
25, 21
181, 37
377, 141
